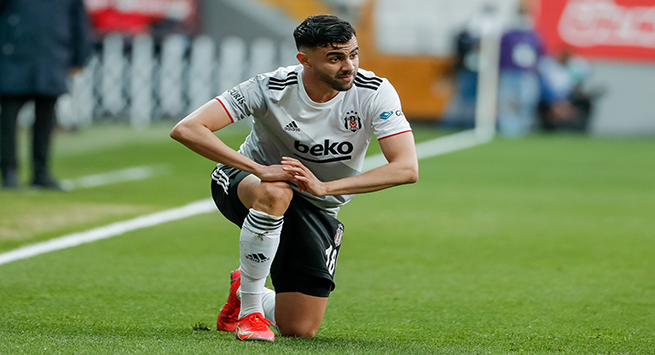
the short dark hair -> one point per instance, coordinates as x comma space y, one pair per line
322, 30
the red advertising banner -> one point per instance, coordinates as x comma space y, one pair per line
602, 29
139, 16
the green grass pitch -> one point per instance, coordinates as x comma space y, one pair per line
540, 245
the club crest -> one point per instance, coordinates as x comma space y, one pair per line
339, 235
352, 122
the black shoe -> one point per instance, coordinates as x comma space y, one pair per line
9, 180
48, 183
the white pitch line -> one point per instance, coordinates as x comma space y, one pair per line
438, 146
108, 231
113, 177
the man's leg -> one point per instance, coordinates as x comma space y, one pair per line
304, 268
260, 235
44, 123
11, 106
299, 315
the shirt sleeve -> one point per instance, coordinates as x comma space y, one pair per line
388, 117
243, 100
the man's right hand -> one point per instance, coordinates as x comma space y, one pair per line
273, 173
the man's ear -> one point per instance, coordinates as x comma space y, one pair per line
303, 58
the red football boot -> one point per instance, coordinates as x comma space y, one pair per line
229, 314
254, 327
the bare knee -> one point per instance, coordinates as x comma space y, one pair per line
273, 197
298, 330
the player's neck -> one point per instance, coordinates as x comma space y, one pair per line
316, 89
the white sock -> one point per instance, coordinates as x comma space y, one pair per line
260, 236
268, 303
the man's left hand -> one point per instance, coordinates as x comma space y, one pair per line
303, 177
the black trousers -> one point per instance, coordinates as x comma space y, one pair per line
44, 124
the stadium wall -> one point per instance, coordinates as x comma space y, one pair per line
246, 19
627, 106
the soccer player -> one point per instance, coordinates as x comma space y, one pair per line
302, 161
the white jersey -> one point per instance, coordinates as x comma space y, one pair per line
329, 138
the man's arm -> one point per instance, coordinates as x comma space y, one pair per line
196, 132
402, 168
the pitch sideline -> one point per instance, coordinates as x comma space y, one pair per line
437, 146
112, 177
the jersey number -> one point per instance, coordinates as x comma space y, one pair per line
331, 255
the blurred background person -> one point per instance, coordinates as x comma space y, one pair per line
460, 113
521, 49
461, 109
41, 44
566, 103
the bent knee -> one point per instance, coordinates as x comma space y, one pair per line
298, 331
273, 197
275, 191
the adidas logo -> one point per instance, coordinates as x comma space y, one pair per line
292, 127
258, 258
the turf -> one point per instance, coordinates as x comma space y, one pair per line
540, 245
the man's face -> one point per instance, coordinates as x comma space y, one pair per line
336, 65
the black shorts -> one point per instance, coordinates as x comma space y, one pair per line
310, 242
